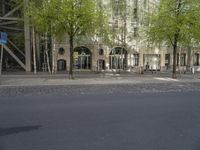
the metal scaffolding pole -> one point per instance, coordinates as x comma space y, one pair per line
27, 39
3, 7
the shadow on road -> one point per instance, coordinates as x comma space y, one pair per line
16, 130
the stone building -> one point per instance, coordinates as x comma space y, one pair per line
129, 50
128, 19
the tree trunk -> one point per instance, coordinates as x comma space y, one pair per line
174, 59
71, 57
190, 59
53, 56
34, 50
48, 64
176, 38
46, 52
37, 38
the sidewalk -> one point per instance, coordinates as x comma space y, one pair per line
92, 78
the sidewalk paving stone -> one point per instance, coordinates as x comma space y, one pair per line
26, 85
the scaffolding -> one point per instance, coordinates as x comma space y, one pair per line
14, 22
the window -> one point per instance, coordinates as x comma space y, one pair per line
167, 59
82, 58
152, 61
136, 59
118, 58
135, 32
196, 59
135, 13
181, 59
101, 52
61, 51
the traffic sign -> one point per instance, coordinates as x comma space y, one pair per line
3, 38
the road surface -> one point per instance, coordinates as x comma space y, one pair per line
99, 121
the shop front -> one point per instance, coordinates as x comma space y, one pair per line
152, 61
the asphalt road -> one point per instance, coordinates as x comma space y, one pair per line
148, 121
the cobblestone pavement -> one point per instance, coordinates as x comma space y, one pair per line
91, 83
62, 90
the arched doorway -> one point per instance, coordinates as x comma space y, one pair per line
118, 58
61, 65
82, 58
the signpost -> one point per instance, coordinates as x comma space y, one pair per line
3, 41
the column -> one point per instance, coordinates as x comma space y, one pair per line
162, 60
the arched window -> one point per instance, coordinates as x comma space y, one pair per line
82, 58
61, 51
118, 58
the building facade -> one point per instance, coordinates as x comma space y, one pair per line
128, 51
127, 18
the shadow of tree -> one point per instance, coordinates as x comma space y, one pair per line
16, 130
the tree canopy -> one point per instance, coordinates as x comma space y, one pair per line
176, 16
176, 22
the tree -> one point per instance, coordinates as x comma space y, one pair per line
76, 18
43, 18
102, 27
176, 22
38, 12
119, 9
